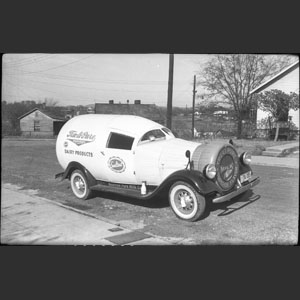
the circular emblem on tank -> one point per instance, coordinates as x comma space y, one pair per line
116, 164
227, 167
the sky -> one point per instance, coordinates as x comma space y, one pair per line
84, 79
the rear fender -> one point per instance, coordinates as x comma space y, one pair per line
72, 166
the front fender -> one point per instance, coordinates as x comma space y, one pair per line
202, 185
245, 168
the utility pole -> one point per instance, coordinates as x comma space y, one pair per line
170, 91
193, 114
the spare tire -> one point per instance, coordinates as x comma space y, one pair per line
224, 157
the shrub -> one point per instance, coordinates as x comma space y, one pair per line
258, 150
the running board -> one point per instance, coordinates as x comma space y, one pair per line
130, 191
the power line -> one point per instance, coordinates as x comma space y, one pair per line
72, 78
39, 89
51, 91
37, 60
22, 60
107, 91
60, 66
55, 76
65, 99
14, 85
98, 89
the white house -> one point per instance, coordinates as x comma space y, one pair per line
287, 81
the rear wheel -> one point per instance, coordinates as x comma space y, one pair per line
185, 202
79, 185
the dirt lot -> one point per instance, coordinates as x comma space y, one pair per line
32, 164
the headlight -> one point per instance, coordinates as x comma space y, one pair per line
210, 171
246, 158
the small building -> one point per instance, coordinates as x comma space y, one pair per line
38, 122
149, 111
220, 133
28, 102
221, 112
287, 81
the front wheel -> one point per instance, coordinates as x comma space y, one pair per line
80, 185
185, 202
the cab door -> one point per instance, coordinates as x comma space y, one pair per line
147, 166
119, 165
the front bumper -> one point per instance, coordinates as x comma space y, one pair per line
237, 192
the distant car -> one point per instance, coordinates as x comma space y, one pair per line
140, 158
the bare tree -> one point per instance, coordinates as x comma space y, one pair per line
48, 102
234, 76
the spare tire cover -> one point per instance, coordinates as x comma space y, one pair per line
224, 157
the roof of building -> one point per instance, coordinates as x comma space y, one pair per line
49, 114
149, 111
281, 74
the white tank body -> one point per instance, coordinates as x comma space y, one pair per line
86, 139
81, 139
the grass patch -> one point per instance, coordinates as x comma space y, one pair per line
255, 146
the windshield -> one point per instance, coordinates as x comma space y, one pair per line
168, 131
152, 135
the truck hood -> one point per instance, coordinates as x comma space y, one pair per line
172, 155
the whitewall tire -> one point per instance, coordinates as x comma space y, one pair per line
185, 202
79, 185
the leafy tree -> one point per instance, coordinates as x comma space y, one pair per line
234, 76
277, 104
10, 112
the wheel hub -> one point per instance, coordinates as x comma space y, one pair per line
186, 201
79, 184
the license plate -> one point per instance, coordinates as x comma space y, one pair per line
246, 176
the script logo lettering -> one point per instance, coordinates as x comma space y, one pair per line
80, 138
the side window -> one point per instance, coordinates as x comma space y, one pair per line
120, 141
